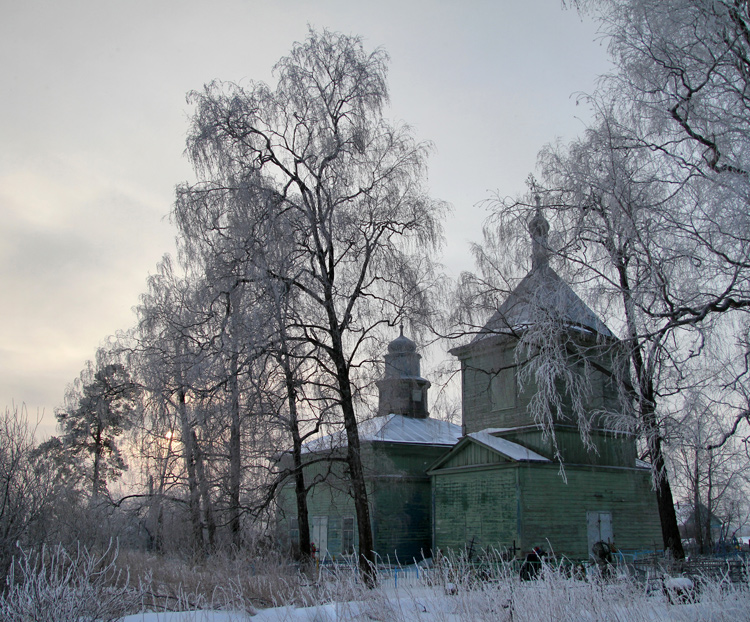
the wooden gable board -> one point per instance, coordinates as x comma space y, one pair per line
481, 448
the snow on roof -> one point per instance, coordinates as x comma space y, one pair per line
514, 451
542, 293
401, 429
393, 429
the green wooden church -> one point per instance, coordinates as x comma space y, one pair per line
398, 446
496, 480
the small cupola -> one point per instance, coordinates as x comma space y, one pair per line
539, 230
402, 390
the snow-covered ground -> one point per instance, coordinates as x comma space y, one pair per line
553, 601
53, 585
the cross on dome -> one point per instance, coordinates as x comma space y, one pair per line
539, 230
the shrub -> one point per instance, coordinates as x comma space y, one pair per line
52, 584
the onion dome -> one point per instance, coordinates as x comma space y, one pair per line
401, 344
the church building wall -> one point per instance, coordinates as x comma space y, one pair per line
557, 514
491, 396
476, 507
607, 448
401, 518
400, 499
503, 505
490, 393
330, 509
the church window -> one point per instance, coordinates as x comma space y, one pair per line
503, 388
294, 531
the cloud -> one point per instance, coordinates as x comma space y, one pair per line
92, 128
75, 250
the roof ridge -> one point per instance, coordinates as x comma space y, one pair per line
542, 291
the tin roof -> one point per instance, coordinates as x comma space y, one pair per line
393, 429
542, 295
512, 450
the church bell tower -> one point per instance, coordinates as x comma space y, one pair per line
402, 389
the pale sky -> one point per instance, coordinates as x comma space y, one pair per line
93, 122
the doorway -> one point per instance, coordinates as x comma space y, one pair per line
598, 528
320, 535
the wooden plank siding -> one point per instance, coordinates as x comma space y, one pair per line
531, 504
402, 508
490, 394
491, 397
553, 513
330, 498
607, 448
402, 499
479, 505
471, 454
398, 490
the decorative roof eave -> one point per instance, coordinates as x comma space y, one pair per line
514, 452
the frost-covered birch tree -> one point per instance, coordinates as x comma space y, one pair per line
28, 482
236, 235
681, 89
678, 99
612, 210
349, 187
712, 474
169, 358
615, 212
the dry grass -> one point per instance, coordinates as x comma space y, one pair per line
240, 582
56, 585
68, 586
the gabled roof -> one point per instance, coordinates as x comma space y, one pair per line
542, 295
393, 429
500, 446
507, 448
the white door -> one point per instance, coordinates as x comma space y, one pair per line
598, 527
320, 535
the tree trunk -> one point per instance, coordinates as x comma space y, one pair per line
156, 509
646, 397
356, 471
670, 531
697, 514
188, 454
205, 494
96, 467
710, 544
300, 491
154, 518
235, 465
